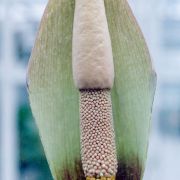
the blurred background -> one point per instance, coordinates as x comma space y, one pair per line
21, 153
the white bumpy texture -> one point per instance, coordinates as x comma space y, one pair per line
98, 150
93, 66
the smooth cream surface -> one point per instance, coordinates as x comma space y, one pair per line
92, 52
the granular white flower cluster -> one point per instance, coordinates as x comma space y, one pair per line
98, 150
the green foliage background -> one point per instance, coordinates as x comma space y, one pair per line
32, 157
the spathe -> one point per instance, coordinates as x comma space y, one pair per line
54, 98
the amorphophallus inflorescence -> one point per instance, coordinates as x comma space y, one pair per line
91, 87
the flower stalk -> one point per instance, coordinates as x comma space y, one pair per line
102, 178
93, 74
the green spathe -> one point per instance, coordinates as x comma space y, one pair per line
134, 85
55, 100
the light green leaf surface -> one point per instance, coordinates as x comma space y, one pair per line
134, 86
54, 98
